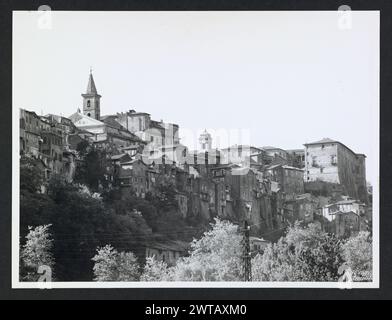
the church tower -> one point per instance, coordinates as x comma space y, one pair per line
91, 100
205, 140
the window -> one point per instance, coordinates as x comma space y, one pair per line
88, 103
152, 139
89, 114
322, 146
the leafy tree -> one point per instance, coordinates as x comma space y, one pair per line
80, 224
36, 252
31, 176
155, 271
216, 256
165, 196
128, 232
357, 253
35, 209
92, 171
322, 262
83, 147
111, 265
304, 254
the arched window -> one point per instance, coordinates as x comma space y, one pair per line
88, 103
89, 114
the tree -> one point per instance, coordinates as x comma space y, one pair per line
36, 252
165, 197
111, 265
216, 256
35, 207
155, 270
92, 170
80, 224
31, 176
357, 253
304, 254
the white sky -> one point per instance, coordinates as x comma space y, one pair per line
287, 77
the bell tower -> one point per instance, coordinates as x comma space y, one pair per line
91, 100
205, 141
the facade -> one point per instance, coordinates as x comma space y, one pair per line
276, 152
153, 132
345, 218
331, 161
52, 147
300, 208
296, 158
290, 179
174, 153
347, 224
132, 176
30, 132
241, 154
347, 205
42, 139
64, 125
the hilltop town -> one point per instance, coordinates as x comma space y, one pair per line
128, 154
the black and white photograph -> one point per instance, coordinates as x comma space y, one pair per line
200, 149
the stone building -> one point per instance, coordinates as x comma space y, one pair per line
52, 147
42, 139
131, 175
64, 125
156, 133
290, 179
30, 132
243, 193
276, 152
106, 134
296, 158
241, 154
331, 161
346, 205
302, 207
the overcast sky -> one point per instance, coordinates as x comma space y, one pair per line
285, 77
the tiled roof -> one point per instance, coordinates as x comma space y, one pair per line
324, 140
328, 140
110, 121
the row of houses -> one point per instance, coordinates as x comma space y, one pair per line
325, 182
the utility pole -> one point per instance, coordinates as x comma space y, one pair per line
246, 249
